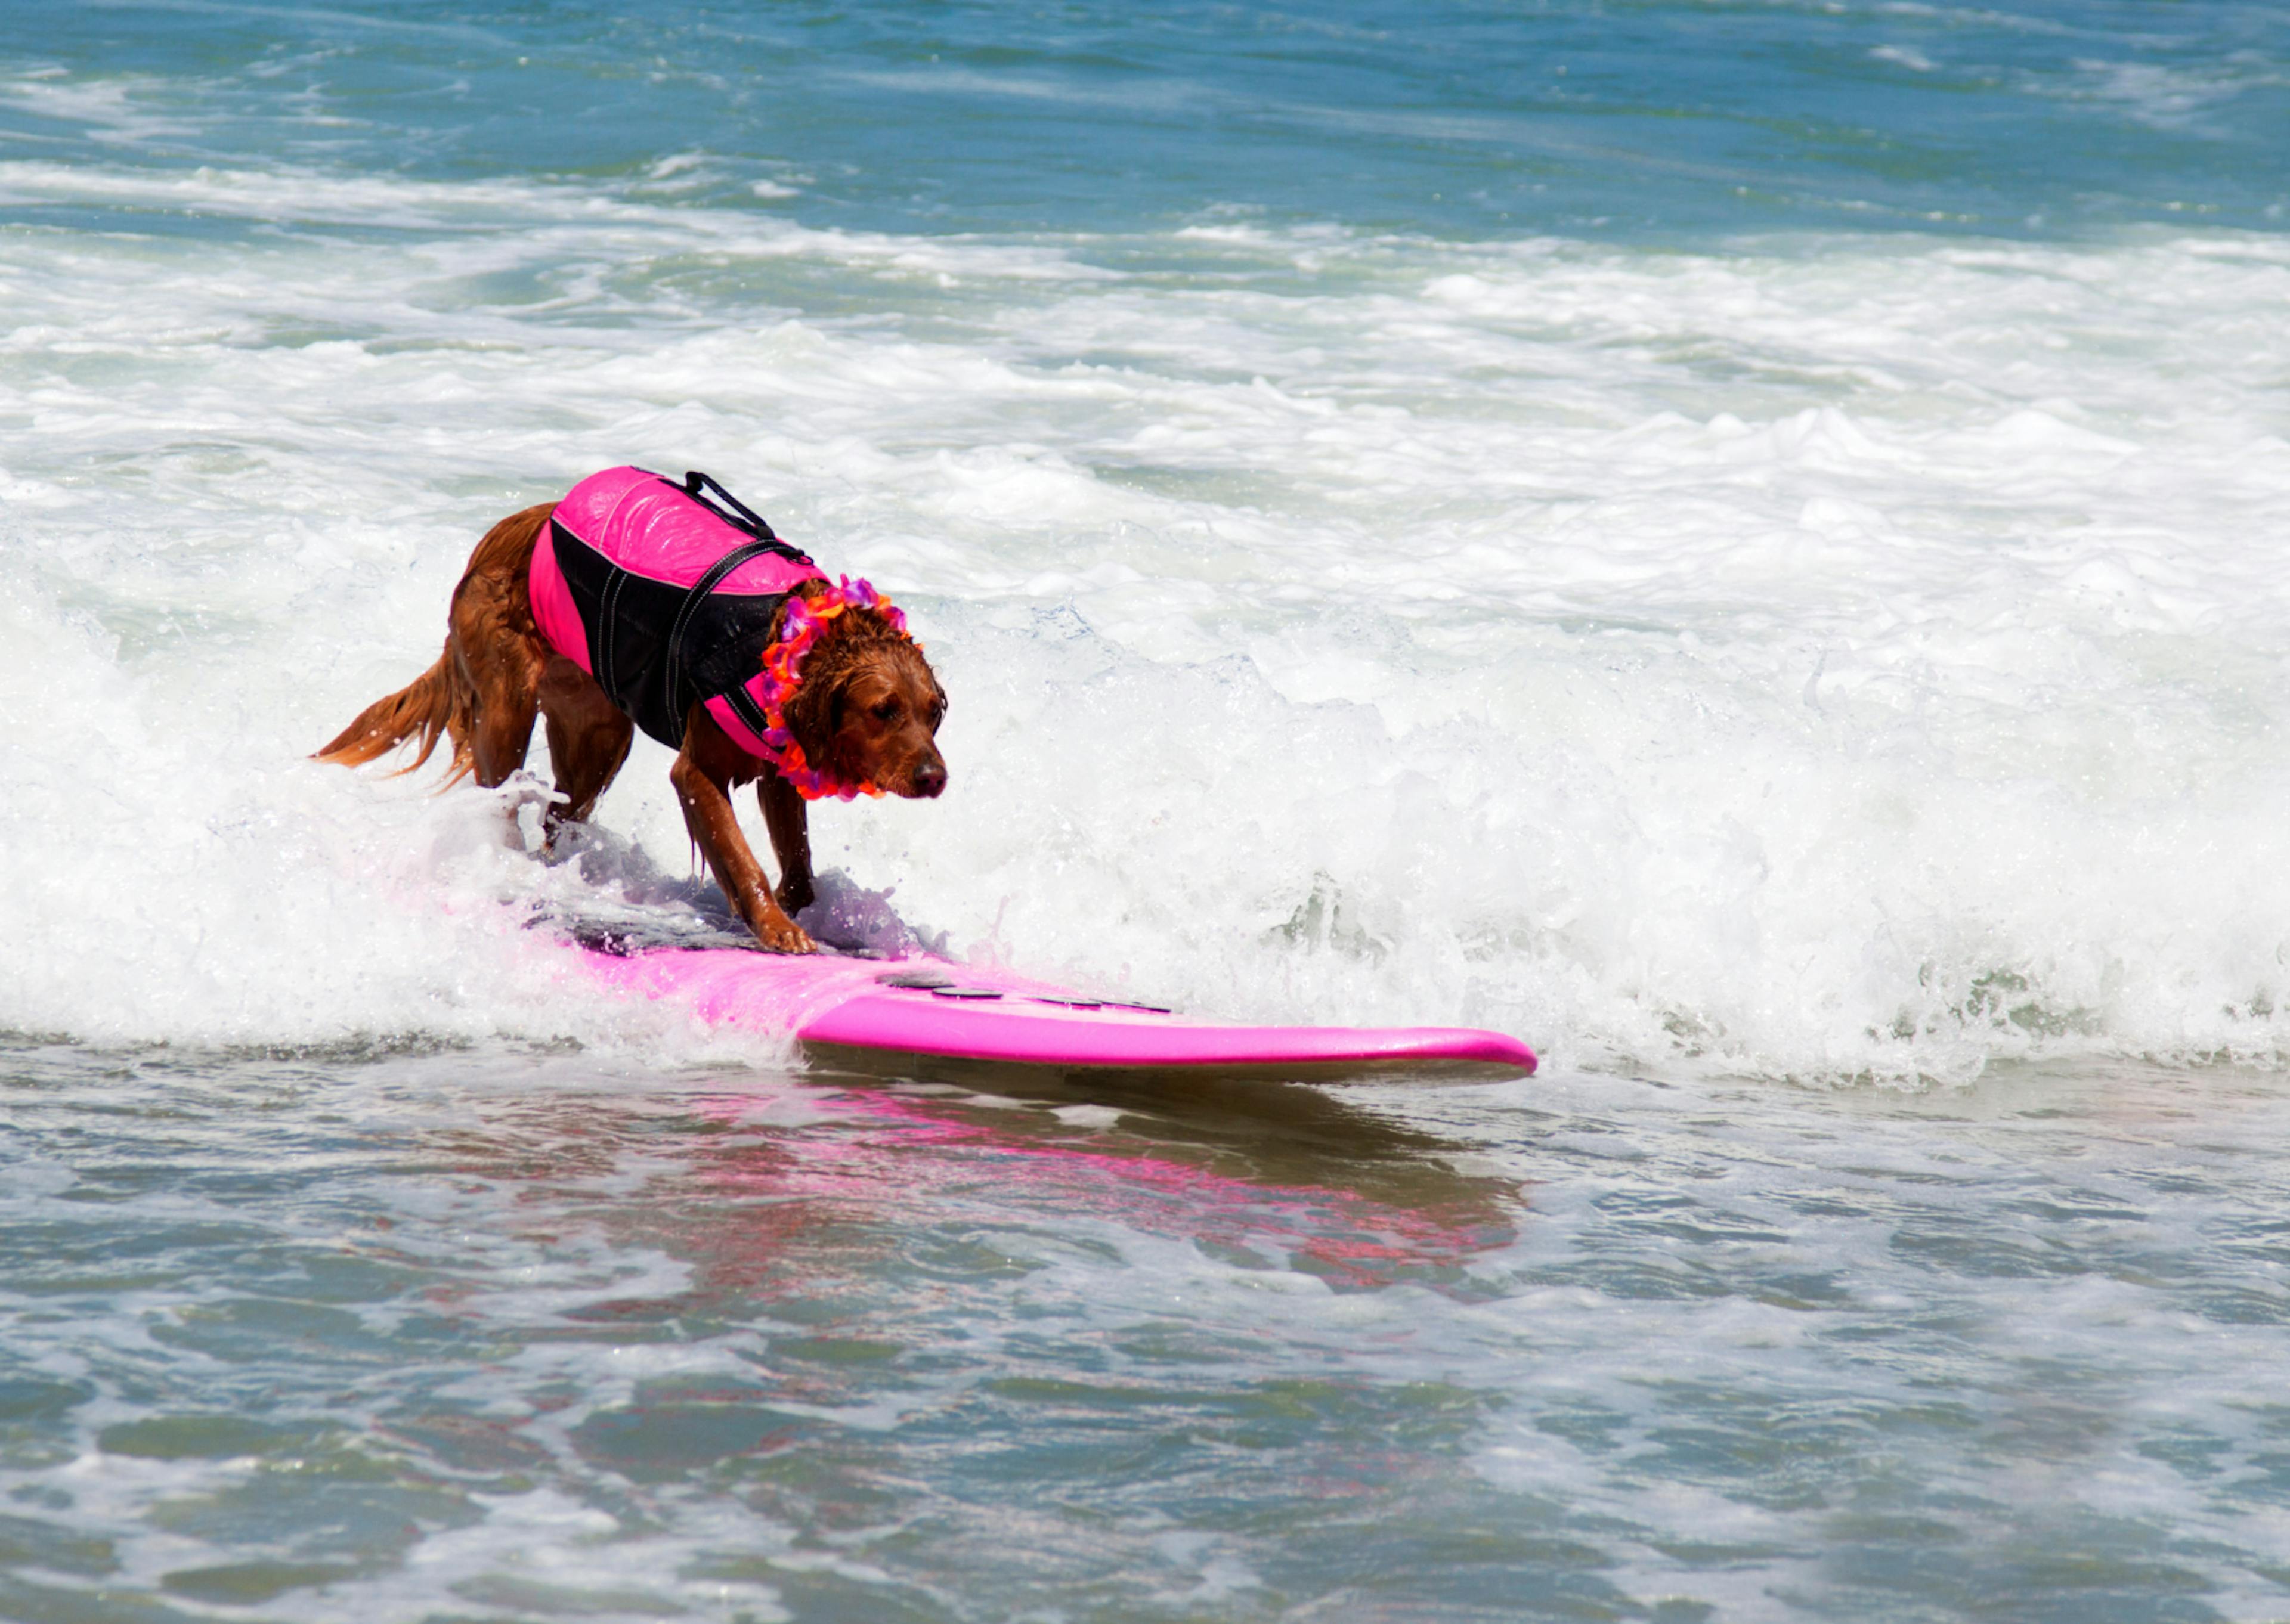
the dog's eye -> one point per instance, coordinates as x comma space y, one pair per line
887, 711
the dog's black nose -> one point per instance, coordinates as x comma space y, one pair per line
930, 779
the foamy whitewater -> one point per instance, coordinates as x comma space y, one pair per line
1742, 548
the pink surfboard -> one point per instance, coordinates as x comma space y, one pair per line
859, 1010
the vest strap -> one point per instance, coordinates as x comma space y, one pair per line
741, 517
744, 707
698, 594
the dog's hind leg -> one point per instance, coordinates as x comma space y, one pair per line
500, 731
502, 659
588, 739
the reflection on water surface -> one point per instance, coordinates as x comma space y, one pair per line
477, 1334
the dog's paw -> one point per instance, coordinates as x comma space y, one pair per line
784, 935
793, 899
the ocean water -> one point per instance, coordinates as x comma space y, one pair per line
1740, 542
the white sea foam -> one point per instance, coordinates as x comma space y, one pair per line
2177, 99
1904, 56
1834, 658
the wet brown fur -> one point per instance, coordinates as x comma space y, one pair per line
868, 709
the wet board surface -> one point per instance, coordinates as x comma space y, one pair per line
846, 1007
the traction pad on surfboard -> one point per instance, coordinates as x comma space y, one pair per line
626, 935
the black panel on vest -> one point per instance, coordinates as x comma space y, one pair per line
627, 619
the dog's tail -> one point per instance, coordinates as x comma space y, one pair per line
438, 702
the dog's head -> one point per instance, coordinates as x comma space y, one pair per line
869, 707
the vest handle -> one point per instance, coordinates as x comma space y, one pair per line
741, 516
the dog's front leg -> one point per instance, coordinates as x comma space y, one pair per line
701, 785
789, 819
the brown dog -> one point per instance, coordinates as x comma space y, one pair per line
867, 711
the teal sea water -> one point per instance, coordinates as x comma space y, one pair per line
1740, 542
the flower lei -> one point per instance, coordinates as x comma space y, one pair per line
805, 619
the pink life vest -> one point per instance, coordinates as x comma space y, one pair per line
666, 598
